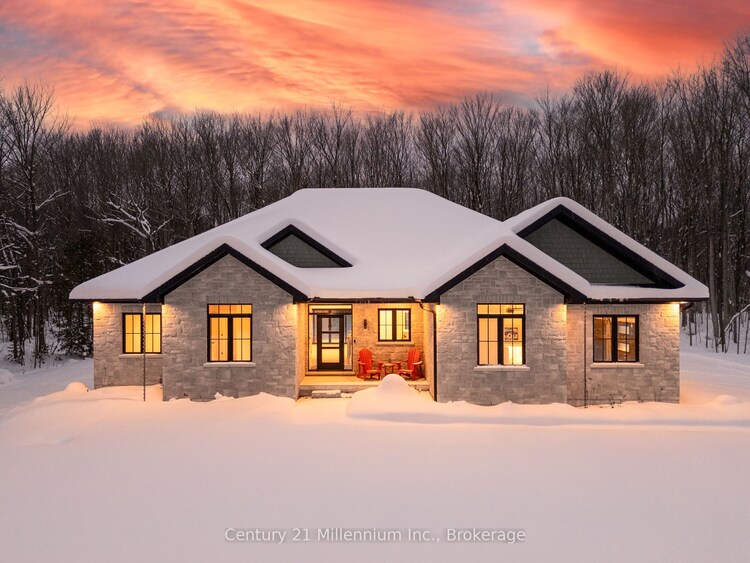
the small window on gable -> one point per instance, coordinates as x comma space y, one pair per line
300, 250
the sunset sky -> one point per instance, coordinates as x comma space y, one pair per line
119, 60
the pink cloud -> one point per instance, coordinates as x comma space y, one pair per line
123, 59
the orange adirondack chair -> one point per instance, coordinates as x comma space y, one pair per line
366, 370
413, 369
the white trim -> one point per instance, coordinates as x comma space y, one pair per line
616, 365
228, 364
502, 368
394, 343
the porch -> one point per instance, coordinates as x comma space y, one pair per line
348, 384
335, 334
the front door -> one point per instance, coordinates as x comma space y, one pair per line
330, 342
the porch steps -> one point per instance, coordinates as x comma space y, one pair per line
326, 394
344, 386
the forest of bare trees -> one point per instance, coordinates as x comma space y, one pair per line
667, 162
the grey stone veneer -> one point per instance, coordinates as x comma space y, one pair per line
185, 334
554, 369
543, 380
655, 377
111, 366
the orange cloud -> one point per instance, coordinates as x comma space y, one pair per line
647, 37
120, 60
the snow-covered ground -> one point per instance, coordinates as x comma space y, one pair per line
103, 476
19, 384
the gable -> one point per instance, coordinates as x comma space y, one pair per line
571, 294
300, 250
591, 253
227, 280
587, 259
502, 280
157, 295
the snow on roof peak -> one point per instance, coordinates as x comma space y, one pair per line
401, 242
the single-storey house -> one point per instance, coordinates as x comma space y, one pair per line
552, 305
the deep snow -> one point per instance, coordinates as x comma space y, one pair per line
100, 475
19, 384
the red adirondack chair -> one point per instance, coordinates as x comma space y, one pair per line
413, 369
366, 370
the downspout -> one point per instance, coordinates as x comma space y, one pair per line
434, 350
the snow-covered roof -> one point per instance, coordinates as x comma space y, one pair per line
400, 242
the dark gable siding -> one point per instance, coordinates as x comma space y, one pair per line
300, 249
584, 257
299, 253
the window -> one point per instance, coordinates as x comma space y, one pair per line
394, 324
132, 326
615, 338
230, 333
501, 334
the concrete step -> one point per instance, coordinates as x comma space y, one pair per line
326, 394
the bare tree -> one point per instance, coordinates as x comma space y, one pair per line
30, 132
476, 119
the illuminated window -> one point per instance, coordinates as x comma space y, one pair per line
230, 333
134, 331
615, 338
394, 324
501, 334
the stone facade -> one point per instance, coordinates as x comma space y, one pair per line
541, 380
655, 377
111, 365
301, 342
556, 354
184, 336
428, 329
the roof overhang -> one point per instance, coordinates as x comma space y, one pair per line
157, 295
